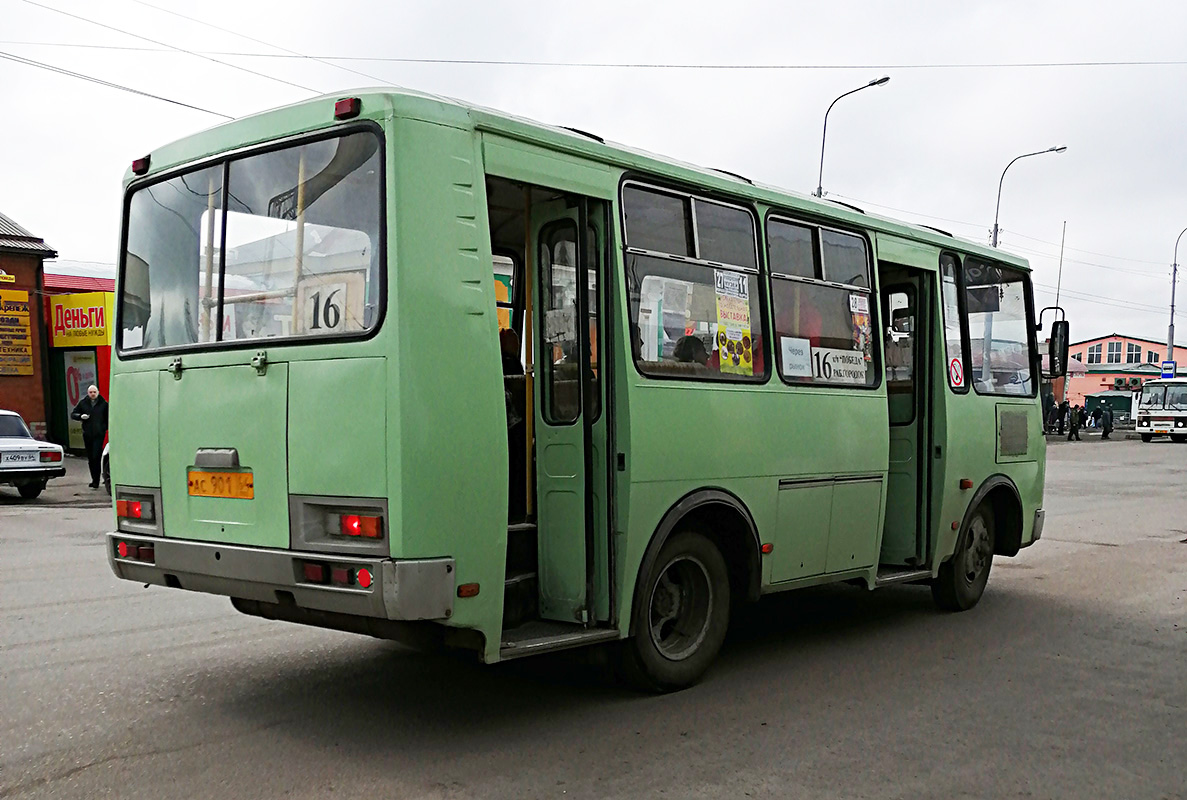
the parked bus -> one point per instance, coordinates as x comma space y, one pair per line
1162, 409
503, 386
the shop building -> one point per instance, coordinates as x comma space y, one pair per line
23, 337
79, 308
1117, 362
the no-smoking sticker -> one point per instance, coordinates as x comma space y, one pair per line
956, 373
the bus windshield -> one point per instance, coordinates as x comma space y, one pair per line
280, 243
1152, 396
1176, 397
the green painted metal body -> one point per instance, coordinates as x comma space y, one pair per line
415, 413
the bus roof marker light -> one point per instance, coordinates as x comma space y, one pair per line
140, 165
347, 108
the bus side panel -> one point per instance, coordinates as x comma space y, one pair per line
133, 424
686, 436
449, 438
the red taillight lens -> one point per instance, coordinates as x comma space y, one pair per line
140, 165
347, 108
50, 456
364, 577
467, 590
361, 525
315, 573
134, 509
343, 576
122, 549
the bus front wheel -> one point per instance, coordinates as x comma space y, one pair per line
1178, 438
681, 617
962, 578
1146, 437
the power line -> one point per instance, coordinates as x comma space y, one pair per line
171, 47
1145, 273
636, 65
261, 41
30, 62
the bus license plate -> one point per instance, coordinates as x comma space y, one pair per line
232, 485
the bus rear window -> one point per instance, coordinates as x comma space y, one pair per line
284, 243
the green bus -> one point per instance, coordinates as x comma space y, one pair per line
397, 365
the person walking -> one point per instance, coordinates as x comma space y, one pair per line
1095, 416
91, 411
1073, 421
1106, 421
1064, 410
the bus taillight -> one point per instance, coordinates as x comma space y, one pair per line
361, 525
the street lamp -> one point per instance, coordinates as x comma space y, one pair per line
998, 208
820, 178
1170, 334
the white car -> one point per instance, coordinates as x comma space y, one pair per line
25, 462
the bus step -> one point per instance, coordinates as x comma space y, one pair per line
521, 549
520, 599
888, 576
542, 636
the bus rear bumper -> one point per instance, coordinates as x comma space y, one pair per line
400, 589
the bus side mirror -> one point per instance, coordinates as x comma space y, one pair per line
1057, 348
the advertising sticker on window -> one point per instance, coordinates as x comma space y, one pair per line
734, 345
859, 309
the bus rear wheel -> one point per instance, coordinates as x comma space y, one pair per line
962, 578
681, 617
1146, 437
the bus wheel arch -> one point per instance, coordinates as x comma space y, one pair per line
1002, 496
725, 520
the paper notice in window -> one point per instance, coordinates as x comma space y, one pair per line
797, 357
735, 349
859, 303
838, 366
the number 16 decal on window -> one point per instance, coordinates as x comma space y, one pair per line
330, 304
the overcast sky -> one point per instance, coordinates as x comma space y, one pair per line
928, 147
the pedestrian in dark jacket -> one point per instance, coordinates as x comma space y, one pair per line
91, 411
1063, 415
1073, 419
1106, 419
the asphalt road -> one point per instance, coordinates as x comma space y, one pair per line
1068, 680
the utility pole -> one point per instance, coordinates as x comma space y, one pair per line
1170, 333
1059, 279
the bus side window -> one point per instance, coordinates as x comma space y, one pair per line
900, 357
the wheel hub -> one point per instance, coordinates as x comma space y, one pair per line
680, 607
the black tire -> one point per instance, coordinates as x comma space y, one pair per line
681, 616
962, 578
30, 490
1178, 438
1146, 437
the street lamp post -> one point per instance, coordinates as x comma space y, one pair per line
1170, 334
820, 178
998, 208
